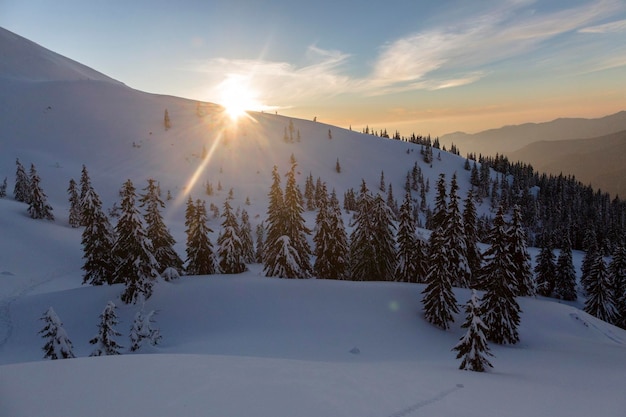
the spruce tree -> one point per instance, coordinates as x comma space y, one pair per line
331, 247
275, 225
406, 268
85, 187
137, 268
75, 212
259, 252
3, 188
524, 282
600, 302
454, 237
38, 207
421, 255
499, 309
474, 257
22, 189
230, 249
97, 240
105, 339
245, 234
200, 256
439, 301
142, 330
473, 347
156, 231
565, 280
617, 272
545, 270
58, 344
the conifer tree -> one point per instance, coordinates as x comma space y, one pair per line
439, 301
421, 255
22, 189
38, 207
617, 272
200, 256
545, 270
245, 234
330, 239
309, 193
85, 187
137, 268
230, 249
499, 309
287, 252
524, 282
259, 252
600, 302
156, 231
565, 280
454, 237
97, 240
105, 339
474, 257
473, 347
3, 188
58, 344
406, 268
75, 213
142, 330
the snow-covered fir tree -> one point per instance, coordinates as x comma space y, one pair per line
406, 268
439, 301
600, 302
591, 248
75, 212
85, 187
470, 222
156, 231
454, 237
245, 234
22, 188
545, 269
287, 252
38, 207
617, 272
259, 252
58, 344
473, 347
200, 255
499, 309
105, 339
372, 242
421, 254
331, 241
524, 280
3, 188
136, 266
565, 279
97, 240
229, 247
143, 330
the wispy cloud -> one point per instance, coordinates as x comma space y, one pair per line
611, 27
461, 53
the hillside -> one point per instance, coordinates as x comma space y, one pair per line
596, 161
511, 138
245, 344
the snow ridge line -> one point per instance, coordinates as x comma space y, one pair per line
410, 409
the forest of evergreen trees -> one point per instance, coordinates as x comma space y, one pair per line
384, 241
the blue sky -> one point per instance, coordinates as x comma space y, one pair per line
416, 66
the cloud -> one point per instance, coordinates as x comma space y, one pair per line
459, 53
612, 27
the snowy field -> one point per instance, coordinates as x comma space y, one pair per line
245, 345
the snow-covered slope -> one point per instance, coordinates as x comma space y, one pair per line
244, 345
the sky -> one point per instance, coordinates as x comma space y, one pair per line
413, 66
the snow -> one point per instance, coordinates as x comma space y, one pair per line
242, 345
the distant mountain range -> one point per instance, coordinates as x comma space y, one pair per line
593, 150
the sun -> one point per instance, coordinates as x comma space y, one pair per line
237, 96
